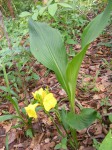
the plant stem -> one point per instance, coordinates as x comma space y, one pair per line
74, 136
52, 119
6, 80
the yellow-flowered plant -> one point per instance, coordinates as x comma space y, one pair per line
44, 99
30, 110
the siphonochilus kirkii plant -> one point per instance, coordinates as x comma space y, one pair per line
48, 48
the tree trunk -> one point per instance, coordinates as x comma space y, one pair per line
9, 5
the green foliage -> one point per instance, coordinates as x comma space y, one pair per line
54, 51
82, 120
55, 57
96, 144
29, 133
16, 59
6, 117
17, 6
99, 23
110, 117
62, 145
48, 48
107, 142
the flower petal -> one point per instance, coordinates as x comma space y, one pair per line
49, 102
39, 93
30, 110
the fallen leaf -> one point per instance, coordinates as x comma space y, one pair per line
7, 127
12, 136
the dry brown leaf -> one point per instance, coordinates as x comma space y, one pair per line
12, 136
100, 87
7, 127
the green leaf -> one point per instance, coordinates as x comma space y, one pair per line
65, 5
35, 15
62, 145
107, 142
49, 2
14, 102
63, 115
24, 14
90, 33
110, 117
82, 120
29, 133
52, 9
7, 117
58, 146
3, 88
72, 73
95, 27
47, 46
41, 11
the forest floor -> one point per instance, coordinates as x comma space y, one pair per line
94, 89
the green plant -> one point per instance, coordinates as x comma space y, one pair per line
105, 102
96, 144
107, 142
19, 71
65, 17
48, 48
20, 114
62, 144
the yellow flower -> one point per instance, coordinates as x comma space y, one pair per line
42, 93
49, 102
30, 110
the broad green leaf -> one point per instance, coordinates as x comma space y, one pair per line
107, 142
65, 5
95, 27
82, 120
41, 11
90, 33
6, 117
52, 9
48, 48
24, 14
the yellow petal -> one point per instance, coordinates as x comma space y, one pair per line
49, 102
30, 110
42, 93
